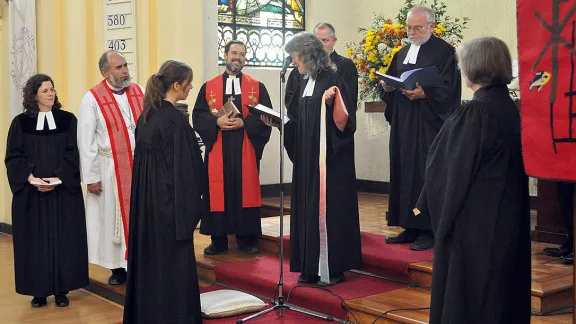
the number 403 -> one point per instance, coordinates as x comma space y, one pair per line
117, 44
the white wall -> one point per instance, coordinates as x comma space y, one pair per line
372, 162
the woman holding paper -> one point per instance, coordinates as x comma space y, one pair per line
48, 222
319, 138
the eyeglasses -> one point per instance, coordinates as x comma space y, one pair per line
415, 28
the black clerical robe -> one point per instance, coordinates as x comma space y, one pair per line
168, 180
234, 219
302, 142
49, 229
476, 194
414, 125
345, 68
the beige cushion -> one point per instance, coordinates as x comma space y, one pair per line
226, 303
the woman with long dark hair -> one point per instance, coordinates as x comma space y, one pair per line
168, 181
48, 221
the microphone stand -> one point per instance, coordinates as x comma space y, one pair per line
280, 305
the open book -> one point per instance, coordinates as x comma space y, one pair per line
54, 183
425, 77
269, 112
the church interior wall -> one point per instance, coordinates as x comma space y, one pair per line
70, 39
5, 195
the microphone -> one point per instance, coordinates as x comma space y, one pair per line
286, 64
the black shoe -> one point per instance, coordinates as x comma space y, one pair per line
212, 250
402, 238
61, 300
118, 277
423, 242
249, 249
334, 279
568, 259
305, 279
38, 302
563, 250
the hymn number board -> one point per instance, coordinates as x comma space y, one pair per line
120, 30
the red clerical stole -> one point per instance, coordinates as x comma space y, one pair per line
120, 141
250, 178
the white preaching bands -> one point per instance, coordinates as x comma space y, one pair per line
309, 89
412, 54
233, 80
45, 116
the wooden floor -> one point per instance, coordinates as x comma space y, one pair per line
88, 308
85, 308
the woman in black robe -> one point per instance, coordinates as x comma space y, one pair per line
168, 181
302, 142
476, 194
48, 221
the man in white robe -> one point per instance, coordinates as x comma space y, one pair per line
106, 124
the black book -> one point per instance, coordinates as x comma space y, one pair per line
425, 77
269, 112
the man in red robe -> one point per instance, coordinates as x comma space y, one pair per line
106, 125
234, 146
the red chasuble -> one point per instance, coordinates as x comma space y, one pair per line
120, 141
250, 178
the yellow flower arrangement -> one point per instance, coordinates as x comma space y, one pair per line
385, 38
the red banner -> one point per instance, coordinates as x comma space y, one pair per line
546, 55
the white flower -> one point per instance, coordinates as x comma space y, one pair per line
383, 48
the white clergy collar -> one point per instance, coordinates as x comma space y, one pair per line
232, 79
412, 54
113, 87
309, 89
41, 117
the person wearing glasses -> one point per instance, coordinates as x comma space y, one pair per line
415, 117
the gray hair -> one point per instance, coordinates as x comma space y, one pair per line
311, 52
430, 16
324, 25
103, 61
486, 61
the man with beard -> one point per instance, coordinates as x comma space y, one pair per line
415, 117
106, 125
326, 33
234, 146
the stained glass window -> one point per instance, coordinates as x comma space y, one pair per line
265, 26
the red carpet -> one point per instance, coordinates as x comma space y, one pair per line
260, 276
387, 260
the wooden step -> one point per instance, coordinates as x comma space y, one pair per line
366, 310
271, 206
551, 283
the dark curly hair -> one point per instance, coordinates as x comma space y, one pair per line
29, 94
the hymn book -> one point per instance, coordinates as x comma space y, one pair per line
50, 184
425, 77
269, 112
227, 108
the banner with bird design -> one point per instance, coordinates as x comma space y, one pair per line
546, 57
